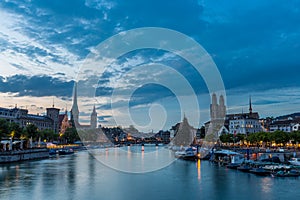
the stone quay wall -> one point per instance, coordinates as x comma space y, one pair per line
22, 155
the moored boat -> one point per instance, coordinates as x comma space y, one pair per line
291, 173
295, 161
259, 171
52, 152
230, 158
244, 168
65, 151
188, 154
233, 165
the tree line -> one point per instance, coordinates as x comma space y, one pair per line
267, 138
13, 130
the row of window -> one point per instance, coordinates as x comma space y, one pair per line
244, 122
247, 126
39, 124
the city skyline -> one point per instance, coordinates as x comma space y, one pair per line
254, 45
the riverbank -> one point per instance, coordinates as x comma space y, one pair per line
22, 155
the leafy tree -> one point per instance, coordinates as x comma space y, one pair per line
47, 134
31, 131
252, 138
239, 137
280, 137
295, 137
226, 138
265, 137
14, 127
4, 128
70, 135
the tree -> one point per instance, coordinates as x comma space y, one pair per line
295, 137
4, 128
280, 137
47, 134
31, 131
252, 138
239, 137
265, 137
226, 138
70, 135
16, 129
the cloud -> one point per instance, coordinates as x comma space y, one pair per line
254, 44
37, 86
266, 102
104, 118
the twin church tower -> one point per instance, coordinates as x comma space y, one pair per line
217, 111
75, 113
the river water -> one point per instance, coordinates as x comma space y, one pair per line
84, 176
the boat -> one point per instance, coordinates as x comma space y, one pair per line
188, 154
295, 161
274, 159
277, 167
65, 151
244, 168
233, 165
259, 171
291, 173
229, 158
52, 152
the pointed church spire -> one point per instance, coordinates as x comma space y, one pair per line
66, 112
94, 110
94, 118
250, 105
75, 105
75, 110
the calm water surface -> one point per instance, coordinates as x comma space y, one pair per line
81, 176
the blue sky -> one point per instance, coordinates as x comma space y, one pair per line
255, 45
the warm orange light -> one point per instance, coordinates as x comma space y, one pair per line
199, 169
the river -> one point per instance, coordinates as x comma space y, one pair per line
84, 176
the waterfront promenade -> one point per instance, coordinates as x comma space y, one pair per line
23, 155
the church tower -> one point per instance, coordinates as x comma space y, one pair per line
217, 115
214, 107
94, 118
75, 110
222, 108
53, 114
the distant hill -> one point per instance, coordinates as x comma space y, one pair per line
285, 117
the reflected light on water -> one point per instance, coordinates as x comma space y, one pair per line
266, 185
106, 152
199, 169
128, 152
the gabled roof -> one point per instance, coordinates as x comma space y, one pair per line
285, 122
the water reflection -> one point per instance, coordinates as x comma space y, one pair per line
82, 177
135, 159
266, 185
199, 169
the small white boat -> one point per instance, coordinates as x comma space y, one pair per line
295, 161
187, 154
